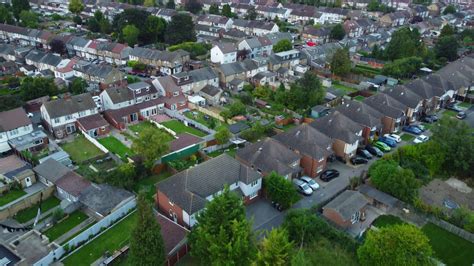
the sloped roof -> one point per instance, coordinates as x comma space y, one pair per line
348, 203
12, 119
75, 104
338, 126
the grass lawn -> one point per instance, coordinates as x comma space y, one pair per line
359, 98
144, 125
387, 220
179, 127
427, 126
407, 137
26, 215
114, 145
77, 233
11, 196
448, 247
111, 240
344, 88
449, 113
203, 119
464, 105
65, 225
81, 149
148, 184
232, 150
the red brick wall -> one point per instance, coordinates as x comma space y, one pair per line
335, 217
163, 204
310, 165
388, 124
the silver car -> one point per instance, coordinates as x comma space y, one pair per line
302, 187
311, 183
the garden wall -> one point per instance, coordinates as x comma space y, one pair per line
95, 142
24, 202
160, 126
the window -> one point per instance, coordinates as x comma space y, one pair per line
82, 113
56, 120
39, 141
68, 117
14, 131
254, 183
176, 93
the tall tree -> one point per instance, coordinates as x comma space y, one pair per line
447, 30
130, 34
447, 47
226, 11
78, 86
396, 245
450, 9
280, 190
171, 4
275, 249
405, 42
58, 46
180, 29
214, 9
149, 3
223, 235
76, 6
341, 62
150, 144
282, 45
306, 92
18, 6
32, 88
146, 242
154, 30
29, 19
222, 135
193, 6
337, 32
5, 15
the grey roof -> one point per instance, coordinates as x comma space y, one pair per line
278, 36
238, 127
232, 68
101, 71
205, 73
226, 47
404, 95
139, 85
210, 90
12, 119
75, 104
103, 198
378, 195
386, 105
189, 188
269, 155
422, 88
361, 113
79, 41
338, 126
348, 203
52, 170
306, 140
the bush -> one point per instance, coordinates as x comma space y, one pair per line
280, 190
195, 49
58, 214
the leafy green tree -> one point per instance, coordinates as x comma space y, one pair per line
403, 68
32, 88
337, 32
396, 245
222, 135
280, 190
195, 49
123, 176
77, 20
154, 30
130, 34
282, 45
151, 144
450, 9
171, 4
447, 47
226, 11
275, 249
18, 6
447, 30
5, 15
306, 92
251, 14
78, 86
405, 42
301, 226
193, 6
146, 242
223, 235
180, 29
214, 9
76, 6
149, 3
29, 19
341, 63
237, 108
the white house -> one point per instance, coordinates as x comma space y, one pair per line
13, 124
256, 46
223, 53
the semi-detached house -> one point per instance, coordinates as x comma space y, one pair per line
167, 62
13, 124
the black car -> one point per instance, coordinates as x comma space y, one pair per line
374, 150
429, 118
359, 160
329, 174
364, 153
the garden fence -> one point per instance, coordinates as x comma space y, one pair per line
453, 229
182, 118
95, 142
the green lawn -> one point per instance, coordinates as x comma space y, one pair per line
407, 137
26, 215
464, 105
111, 240
427, 126
387, 220
77, 233
144, 125
114, 145
81, 149
448, 247
148, 184
232, 150
359, 98
11, 196
65, 225
449, 113
179, 127
201, 118
344, 88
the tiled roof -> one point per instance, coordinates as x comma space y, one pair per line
13, 119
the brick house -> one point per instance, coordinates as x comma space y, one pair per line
346, 209
393, 111
93, 125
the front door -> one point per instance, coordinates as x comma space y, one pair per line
28, 182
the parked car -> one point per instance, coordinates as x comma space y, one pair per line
329, 174
302, 187
429, 118
364, 153
390, 142
453, 107
311, 183
395, 137
358, 160
421, 139
461, 115
374, 150
382, 146
412, 129
420, 127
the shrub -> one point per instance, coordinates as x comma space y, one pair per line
280, 190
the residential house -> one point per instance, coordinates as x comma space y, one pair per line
174, 96
77, 46
113, 53
413, 101
397, 4
183, 195
352, 28
256, 46
195, 80
331, 15
301, 14
319, 36
320, 56
13, 124
166, 14
395, 19
271, 12
255, 27
32, 143
270, 155
313, 146
59, 116
287, 59
229, 72
420, 11
393, 111
212, 94
174, 239
93, 125
215, 21
101, 200
223, 53
105, 76
168, 63
42, 60
132, 114
345, 133
346, 209
64, 70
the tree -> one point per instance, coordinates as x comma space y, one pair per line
214, 9
29, 19
150, 144
171, 4
301, 226
58, 46
18, 6
77, 20
282, 45
306, 92
226, 11
447, 47
78, 86
130, 34
149, 3
237, 108
395, 245
222, 135
32, 88
5, 15
280, 190
154, 30
193, 6
251, 14
450, 9
275, 249
180, 29
341, 62
447, 30
403, 68
146, 242
337, 32
223, 235
405, 42
76, 6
